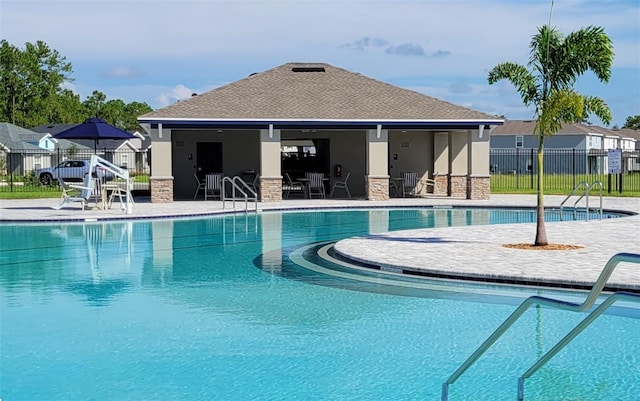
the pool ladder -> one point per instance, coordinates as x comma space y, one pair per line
558, 304
240, 191
584, 194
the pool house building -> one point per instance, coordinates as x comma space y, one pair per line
314, 117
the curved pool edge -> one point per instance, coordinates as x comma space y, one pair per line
477, 253
40, 211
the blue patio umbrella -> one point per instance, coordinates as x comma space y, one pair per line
96, 129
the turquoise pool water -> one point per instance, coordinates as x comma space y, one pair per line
213, 309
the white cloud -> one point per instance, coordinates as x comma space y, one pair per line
177, 93
122, 72
366, 42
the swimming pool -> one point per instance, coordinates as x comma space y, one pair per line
210, 309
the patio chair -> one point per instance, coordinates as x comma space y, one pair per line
250, 177
409, 182
212, 187
254, 184
341, 185
200, 185
431, 182
119, 190
395, 184
79, 193
315, 185
288, 186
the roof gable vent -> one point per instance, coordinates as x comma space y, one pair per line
308, 69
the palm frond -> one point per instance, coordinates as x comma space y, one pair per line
561, 106
597, 106
590, 49
520, 77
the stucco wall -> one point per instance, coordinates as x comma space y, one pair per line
240, 151
414, 150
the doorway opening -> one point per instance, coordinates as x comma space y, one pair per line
208, 158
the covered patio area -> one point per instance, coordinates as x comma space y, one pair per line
300, 118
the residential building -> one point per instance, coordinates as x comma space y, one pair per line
584, 148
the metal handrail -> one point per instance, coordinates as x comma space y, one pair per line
599, 184
237, 184
585, 193
538, 300
573, 334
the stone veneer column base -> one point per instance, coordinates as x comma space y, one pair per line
458, 186
442, 185
271, 189
377, 187
161, 189
479, 187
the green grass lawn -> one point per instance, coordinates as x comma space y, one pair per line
37, 191
559, 184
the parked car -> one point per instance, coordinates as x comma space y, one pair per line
71, 170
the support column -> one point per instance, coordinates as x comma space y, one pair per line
161, 180
441, 162
479, 179
377, 178
459, 164
270, 165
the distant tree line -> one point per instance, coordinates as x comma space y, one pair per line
32, 91
632, 122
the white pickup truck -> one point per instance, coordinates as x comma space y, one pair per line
70, 170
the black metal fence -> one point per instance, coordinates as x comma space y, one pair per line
516, 169
512, 170
34, 170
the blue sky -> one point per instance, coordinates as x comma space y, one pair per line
160, 52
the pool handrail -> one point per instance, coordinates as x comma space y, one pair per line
611, 299
239, 185
584, 194
539, 300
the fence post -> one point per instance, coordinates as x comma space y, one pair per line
518, 168
621, 177
10, 166
573, 168
531, 171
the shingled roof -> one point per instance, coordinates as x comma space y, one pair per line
526, 127
14, 137
313, 91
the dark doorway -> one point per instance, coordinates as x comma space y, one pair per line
208, 158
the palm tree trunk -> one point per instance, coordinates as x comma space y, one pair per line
541, 232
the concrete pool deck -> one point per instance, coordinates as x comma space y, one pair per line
469, 251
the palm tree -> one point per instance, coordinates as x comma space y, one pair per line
555, 64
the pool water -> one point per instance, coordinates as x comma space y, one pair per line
214, 309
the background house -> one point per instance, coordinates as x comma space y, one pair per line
131, 154
576, 148
22, 150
